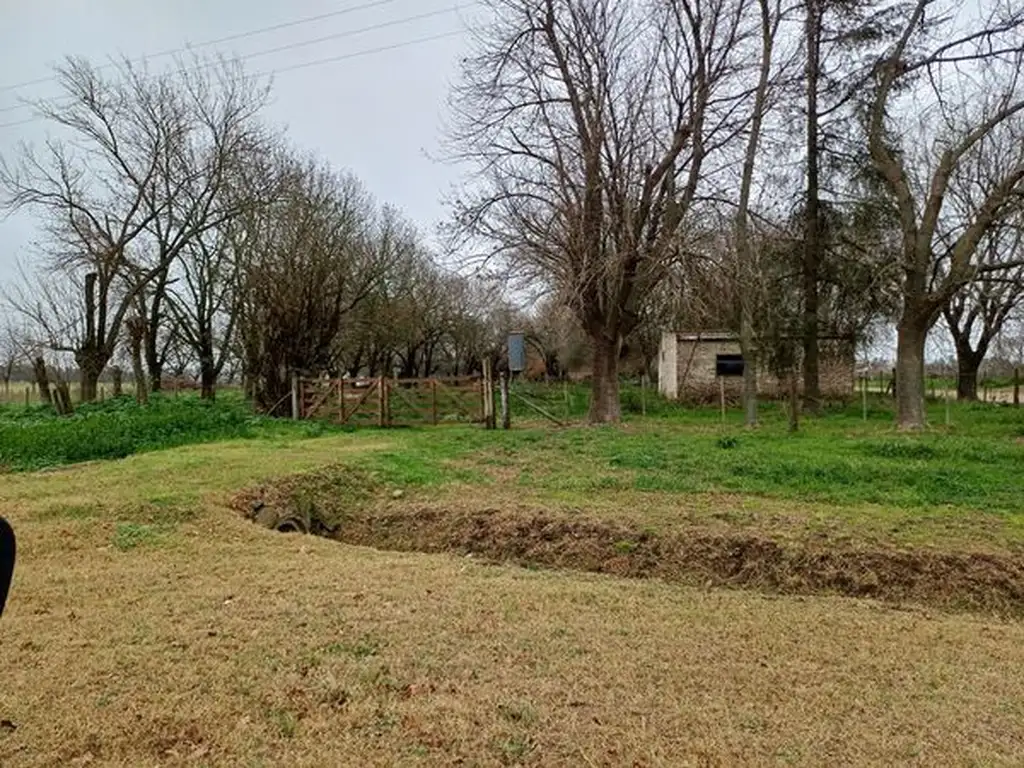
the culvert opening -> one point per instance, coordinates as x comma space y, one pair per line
291, 526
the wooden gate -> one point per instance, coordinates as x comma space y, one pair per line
388, 402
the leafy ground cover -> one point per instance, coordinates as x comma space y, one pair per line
35, 437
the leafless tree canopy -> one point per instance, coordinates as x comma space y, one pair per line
591, 123
146, 170
948, 98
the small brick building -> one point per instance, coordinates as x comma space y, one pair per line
687, 365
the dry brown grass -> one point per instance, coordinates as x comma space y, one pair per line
212, 641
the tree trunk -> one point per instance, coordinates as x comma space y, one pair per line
136, 331
967, 375
153, 318
749, 394
812, 216
90, 375
151, 350
207, 377
794, 403
62, 399
812, 376
911, 336
118, 381
91, 360
42, 380
155, 367
749, 367
604, 400
89, 356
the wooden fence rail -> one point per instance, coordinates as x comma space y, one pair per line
390, 401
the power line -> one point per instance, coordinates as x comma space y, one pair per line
344, 56
315, 62
220, 40
311, 41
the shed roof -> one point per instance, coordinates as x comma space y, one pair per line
731, 336
707, 336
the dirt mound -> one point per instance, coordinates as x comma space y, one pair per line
696, 556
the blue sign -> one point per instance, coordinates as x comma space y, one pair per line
516, 352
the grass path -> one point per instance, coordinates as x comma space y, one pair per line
149, 625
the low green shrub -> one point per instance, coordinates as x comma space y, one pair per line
32, 438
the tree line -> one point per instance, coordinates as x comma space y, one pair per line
184, 235
789, 172
783, 170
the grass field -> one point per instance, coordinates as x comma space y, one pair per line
151, 624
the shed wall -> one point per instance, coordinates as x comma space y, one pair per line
693, 375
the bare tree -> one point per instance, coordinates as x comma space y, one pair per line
204, 303
10, 354
590, 123
205, 179
312, 256
770, 19
1009, 344
140, 176
947, 93
977, 314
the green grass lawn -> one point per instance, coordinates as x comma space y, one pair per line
839, 465
838, 458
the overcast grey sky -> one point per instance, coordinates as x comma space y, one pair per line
378, 115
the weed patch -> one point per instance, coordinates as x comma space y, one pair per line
33, 438
900, 449
129, 536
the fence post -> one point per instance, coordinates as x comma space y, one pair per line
341, 399
894, 383
864, 397
643, 394
381, 398
295, 396
484, 413
433, 401
1016, 387
506, 417
721, 395
794, 403
945, 392
492, 422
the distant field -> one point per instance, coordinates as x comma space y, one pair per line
18, 392
24, 392
151, 624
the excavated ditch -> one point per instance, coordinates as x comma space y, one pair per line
345, 506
